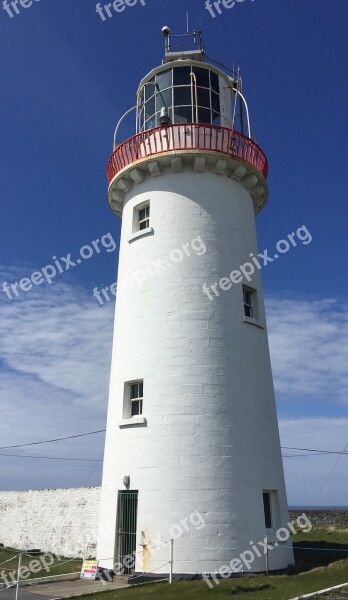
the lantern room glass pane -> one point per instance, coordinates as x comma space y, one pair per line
164, 79
164, 99
204, 115
215, 102
142, 114
202, 76
182, 95
150, 107
183, 114
214, 79
151, 123
203, 98
182, 76
149, 88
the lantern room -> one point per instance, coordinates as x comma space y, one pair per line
189, 109
187, 89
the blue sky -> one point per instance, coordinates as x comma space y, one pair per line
67, 77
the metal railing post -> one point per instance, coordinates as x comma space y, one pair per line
171, 561
19, 574
267, 558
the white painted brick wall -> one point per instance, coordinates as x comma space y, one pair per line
63, 521
211, 441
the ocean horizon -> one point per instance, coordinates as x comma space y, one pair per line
311, 507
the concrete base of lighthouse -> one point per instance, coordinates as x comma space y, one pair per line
207, 448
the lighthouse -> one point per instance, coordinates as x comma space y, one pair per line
192, 450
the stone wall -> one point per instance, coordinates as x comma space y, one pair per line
324, 517
62, 521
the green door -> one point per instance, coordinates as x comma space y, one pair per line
127, 508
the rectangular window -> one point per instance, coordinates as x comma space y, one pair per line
267, 509
271, 509
248, 302
136, 398
144, 217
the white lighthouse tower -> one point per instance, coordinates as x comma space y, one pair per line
192, 448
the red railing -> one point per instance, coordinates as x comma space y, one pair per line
188, 136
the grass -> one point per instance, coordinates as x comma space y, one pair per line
278, 587
59, 567
323, 565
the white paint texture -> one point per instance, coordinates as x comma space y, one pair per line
62, 521
211, 441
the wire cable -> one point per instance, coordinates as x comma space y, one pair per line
9, 559
298, 455
8, 587
149, 572
51, 457
332, 470
94, 468
315, 450
69, 437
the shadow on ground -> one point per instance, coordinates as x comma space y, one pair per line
251, 588
310, 555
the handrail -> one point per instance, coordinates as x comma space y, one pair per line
189, 137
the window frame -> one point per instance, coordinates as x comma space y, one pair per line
146, 220
271, 520
257, 319
139, 399
267, 509
136, 221
128, 402
252, 305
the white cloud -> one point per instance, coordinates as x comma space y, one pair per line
55, 353
61, 337
309, 348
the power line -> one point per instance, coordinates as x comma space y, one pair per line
69, 437
98, 460
332, 470
93, 469
50, 457
298, 455
314, 450
79, 435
